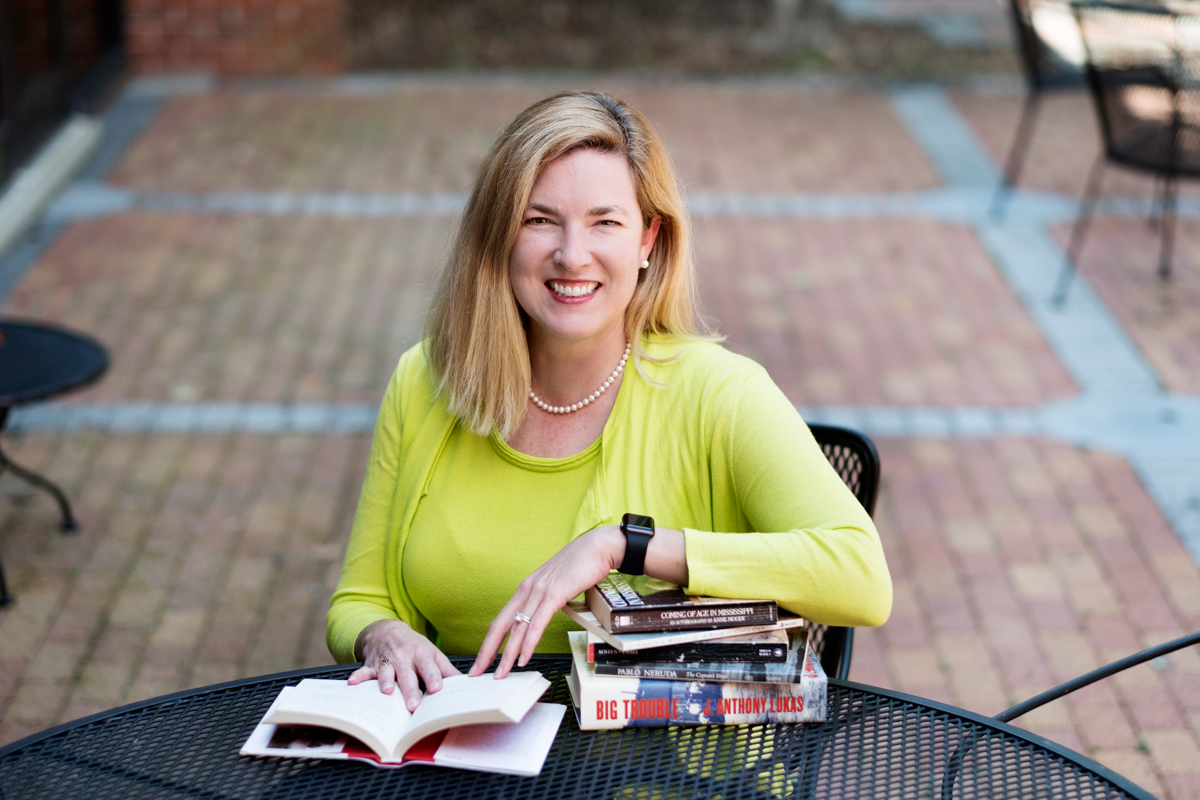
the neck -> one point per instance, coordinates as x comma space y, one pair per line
566, 371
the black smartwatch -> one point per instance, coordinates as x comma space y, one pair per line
638, 530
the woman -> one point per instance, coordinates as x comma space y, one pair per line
512, 441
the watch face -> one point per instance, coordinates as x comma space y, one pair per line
640, 523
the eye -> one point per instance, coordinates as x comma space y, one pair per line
536, 221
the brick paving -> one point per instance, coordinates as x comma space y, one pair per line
791, 294
429, 141
1120, 259
1120, 256
1065, 142
1018, 561
316, 309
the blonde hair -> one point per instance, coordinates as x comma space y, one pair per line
477, 344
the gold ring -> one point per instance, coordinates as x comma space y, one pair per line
384, 662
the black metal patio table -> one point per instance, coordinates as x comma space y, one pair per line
876, 744
39, 361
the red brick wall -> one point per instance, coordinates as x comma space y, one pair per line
236, 37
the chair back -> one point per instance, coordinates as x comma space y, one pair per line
1048, 44
856, 461
1143, 65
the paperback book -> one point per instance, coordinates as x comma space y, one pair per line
790, 670
762, 648
628, 642
472, 723
603, 702
654, 605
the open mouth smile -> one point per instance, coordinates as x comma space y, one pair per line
573, 290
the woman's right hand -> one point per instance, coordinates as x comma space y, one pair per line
396, 655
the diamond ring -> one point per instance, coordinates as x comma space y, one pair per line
522, 617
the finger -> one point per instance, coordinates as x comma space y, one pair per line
529, 625
361, 674
485, 656
387, 679
512, 648
444, 664
406, 679
428, 671
491, 642
534, 635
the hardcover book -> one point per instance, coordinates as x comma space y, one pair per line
627, 642
472, 723
622, 607
790, 670
610, 702
769, 647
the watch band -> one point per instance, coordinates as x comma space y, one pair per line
638, 530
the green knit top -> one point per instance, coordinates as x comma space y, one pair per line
470, 547
700, 439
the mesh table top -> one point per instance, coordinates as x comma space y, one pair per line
875, 744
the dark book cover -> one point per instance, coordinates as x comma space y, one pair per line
789, 671
622, 607
762, 648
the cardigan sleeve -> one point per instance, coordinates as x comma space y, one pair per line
822, 557
362, 595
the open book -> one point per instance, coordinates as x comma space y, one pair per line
472, 723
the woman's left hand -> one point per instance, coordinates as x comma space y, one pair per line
581, 564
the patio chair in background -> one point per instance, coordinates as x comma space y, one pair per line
1143, 68
856, 461
1148, 654
1052, 58
965, 749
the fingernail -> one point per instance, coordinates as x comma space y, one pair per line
411, 703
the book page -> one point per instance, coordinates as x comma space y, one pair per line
465, 700
362, 710
462, 694
511, 747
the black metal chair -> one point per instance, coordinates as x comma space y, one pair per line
1143, 67
1148, 654
856, 460
1052, 60
955, 763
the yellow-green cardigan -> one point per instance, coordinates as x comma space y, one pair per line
708, 443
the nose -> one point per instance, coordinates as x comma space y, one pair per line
572, 253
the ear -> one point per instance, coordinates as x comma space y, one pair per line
648, 237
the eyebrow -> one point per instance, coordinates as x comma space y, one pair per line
598, 211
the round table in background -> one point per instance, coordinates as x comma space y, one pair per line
37, 362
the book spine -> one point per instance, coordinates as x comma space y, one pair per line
697, 672
700, 618
644, 703
700, 651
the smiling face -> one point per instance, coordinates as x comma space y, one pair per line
574, 265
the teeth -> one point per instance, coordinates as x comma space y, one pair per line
574, 290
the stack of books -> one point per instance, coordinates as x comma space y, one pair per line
652, 656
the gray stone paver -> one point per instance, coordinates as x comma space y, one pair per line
255, 322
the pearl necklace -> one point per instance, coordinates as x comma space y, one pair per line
616, 373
